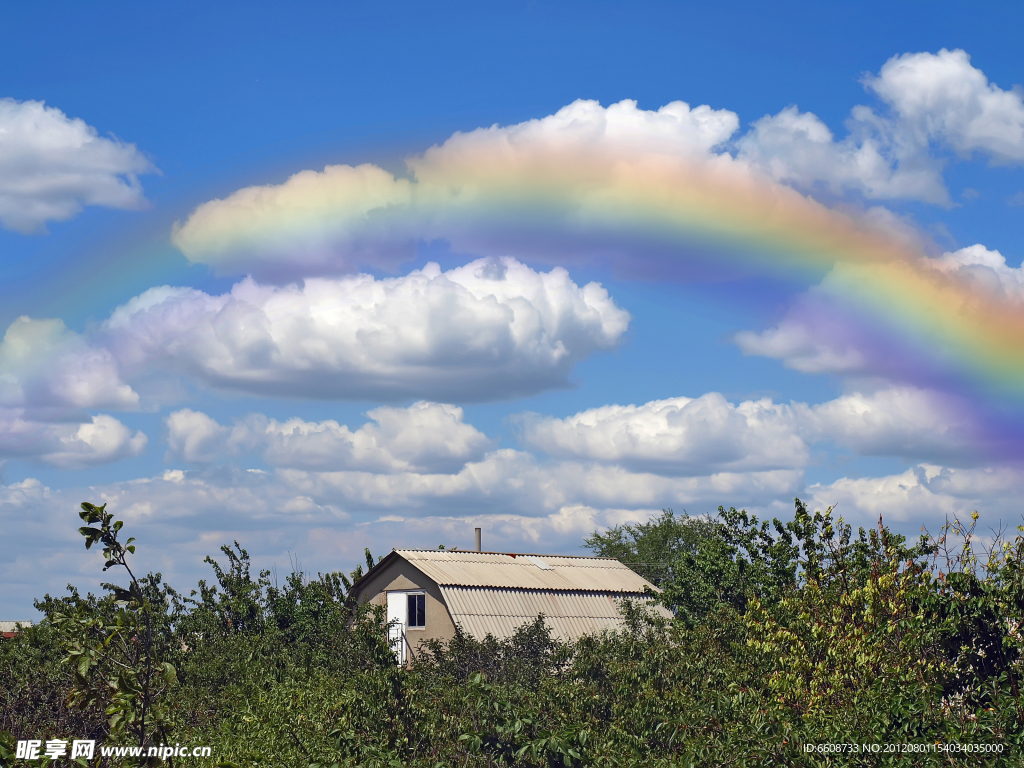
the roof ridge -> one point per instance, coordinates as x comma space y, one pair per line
574, 573
548, 590
510, 554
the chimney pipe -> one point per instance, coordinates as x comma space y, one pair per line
477, 531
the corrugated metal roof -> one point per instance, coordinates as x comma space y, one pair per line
11, 626
569, 615
499, 570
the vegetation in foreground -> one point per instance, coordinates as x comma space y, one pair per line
787, 634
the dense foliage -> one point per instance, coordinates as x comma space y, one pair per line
787, 633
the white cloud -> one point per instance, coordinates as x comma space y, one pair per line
43, 364
914, 424
621, 129
940, 97
985, 268
425, 437
393, 489
326, 518
493, 328
99, 439
798, 148
328, 222
103, 440
926, 494
806, 346
196, 438
684, 436
512, 482
678, 436
52, 165
932, 101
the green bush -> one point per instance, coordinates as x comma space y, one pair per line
786, 633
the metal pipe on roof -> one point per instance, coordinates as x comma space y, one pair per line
477, 532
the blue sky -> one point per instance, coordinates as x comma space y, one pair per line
153, 112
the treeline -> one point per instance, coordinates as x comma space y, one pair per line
787, 634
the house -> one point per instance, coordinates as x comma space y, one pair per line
427, 592
9, 629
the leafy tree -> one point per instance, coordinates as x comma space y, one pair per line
787, 632
117, 665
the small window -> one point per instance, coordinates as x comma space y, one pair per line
417, 610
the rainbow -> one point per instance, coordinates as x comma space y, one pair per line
566, 203
752, 223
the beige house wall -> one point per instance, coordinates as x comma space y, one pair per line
400, 576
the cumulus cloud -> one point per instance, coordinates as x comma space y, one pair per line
488, 330
67, 444
329, 221
675, 129
809, 347
931, 101
708, 434
43, 364
49, 378
194, 437
681, 435
941, 97
412, 460
52, 165
985, 268
913, 424
491, 329
634, 457
425, 437
925, 495
798, 148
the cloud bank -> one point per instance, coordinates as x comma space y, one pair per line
421, 476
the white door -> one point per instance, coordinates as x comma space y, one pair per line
398, 607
